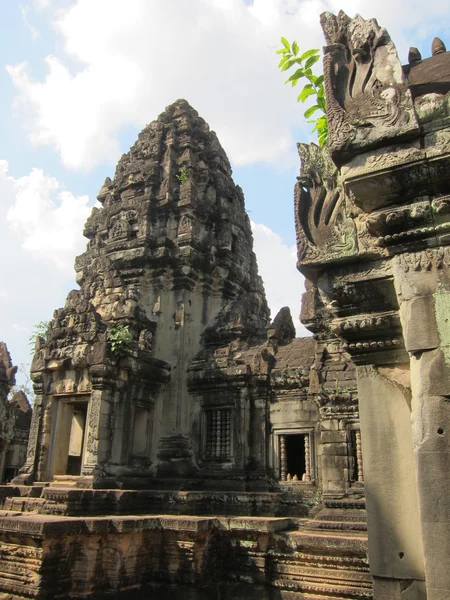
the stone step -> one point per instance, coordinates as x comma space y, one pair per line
318, 590
347, 514
345, 503
336, 543
65, 481
23, 504
337, 525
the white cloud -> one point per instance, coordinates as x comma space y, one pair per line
47, 218
24, 10
284, 285
36, 272
41, 4
135, 57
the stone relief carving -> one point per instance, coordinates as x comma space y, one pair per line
185, 225
323, 225
367, 98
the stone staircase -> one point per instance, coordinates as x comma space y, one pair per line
346, 514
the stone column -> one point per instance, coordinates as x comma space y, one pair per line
283, 458
98, 440
422, 282
307, 459
334, 457
359, 459
393, 521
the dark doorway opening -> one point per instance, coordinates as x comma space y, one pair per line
295, 455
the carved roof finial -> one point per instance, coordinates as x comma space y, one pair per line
282, 328
438, 46
414, 55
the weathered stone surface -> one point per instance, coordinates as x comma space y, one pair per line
209, 414
169, 257
388, 299
368, 100
15, 415
116, 555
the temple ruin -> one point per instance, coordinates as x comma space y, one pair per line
182, 444
15, 419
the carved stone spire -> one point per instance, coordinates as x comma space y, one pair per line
169, 257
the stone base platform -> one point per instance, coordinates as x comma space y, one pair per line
57, 500
178, 557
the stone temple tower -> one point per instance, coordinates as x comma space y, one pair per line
170, 258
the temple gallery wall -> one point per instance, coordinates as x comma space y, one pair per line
210, 454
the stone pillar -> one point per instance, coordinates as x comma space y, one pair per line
283, 458
359, 459
334, 457
307, 459
393, 522
422, 282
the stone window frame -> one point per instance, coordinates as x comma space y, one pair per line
204, 434
276, 461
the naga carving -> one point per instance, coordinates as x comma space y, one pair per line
367, 97
323, 225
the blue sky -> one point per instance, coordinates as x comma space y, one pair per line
80, 78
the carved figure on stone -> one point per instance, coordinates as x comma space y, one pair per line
367, 98
323, 226
185, 225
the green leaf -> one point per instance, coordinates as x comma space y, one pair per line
298, 73
311, 110
321, 104
285, 43
307, 91
287, 65
319, 80
311, 61
282, 61
323, 137
282, 50
322, 121
309, 53
294, 48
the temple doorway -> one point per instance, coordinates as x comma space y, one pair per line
295, 456
70, 437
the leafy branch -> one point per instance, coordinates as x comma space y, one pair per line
39, 330
119, 340
314, 87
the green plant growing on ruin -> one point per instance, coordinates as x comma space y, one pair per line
39, 330
183, 176
119, 340
313, 88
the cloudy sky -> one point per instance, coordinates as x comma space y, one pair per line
80, 79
